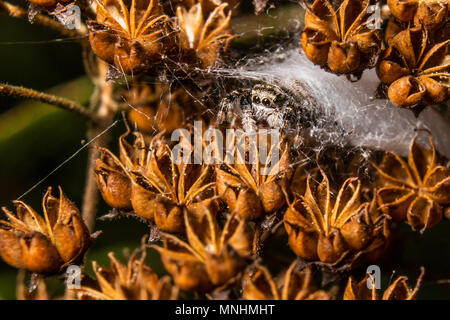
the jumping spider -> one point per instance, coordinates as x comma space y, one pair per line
266, 106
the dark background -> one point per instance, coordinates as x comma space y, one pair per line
36, 138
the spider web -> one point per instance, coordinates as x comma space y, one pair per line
348, 113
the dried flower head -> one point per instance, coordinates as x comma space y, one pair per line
162, 187
393, 27
398, 290
340, 40
131, 34
204, 39
46, 244
134, 281
432, 14
328, 227
415, 190
417, 72
252, 190
113, 181
161, 109
295, 285
212, 257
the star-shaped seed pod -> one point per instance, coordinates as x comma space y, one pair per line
212, 256
340, 40
162, 187
327, 227
148, 180
398, 290
432, 14
417, 72
204, 40
295, 285
44, 245
131, 34
134, 281
415, 190
252, 190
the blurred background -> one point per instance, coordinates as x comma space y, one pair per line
35, 138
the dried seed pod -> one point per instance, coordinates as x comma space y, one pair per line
340, 40
328, 228
253, 190
161, 109
296, 285
162, 189
134, 281
393, 27
212, 257
204, 39
159, 188
417, 73
44, 245
432, 14
404, 10
398, 290
113, 181
415, 190
132, 35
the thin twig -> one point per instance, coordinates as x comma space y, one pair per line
21, 13
64, 103
105, 109
90, 196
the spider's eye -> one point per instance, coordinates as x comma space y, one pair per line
266, 102
255, 99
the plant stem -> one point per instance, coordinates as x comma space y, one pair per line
64, 103
104, 107
21, 13
90, 197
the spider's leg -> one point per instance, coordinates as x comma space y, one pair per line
229, 108
248, 121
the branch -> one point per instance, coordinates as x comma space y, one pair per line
105, 108
67, 104
21, 13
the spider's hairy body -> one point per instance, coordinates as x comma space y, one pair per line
264, 105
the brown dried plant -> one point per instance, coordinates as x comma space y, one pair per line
134, 281
252, 190
204, 37
415, 190
340, 40
46, 244
131, 34
398, 290
327, 227
416, 71
212, 257
296, 285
